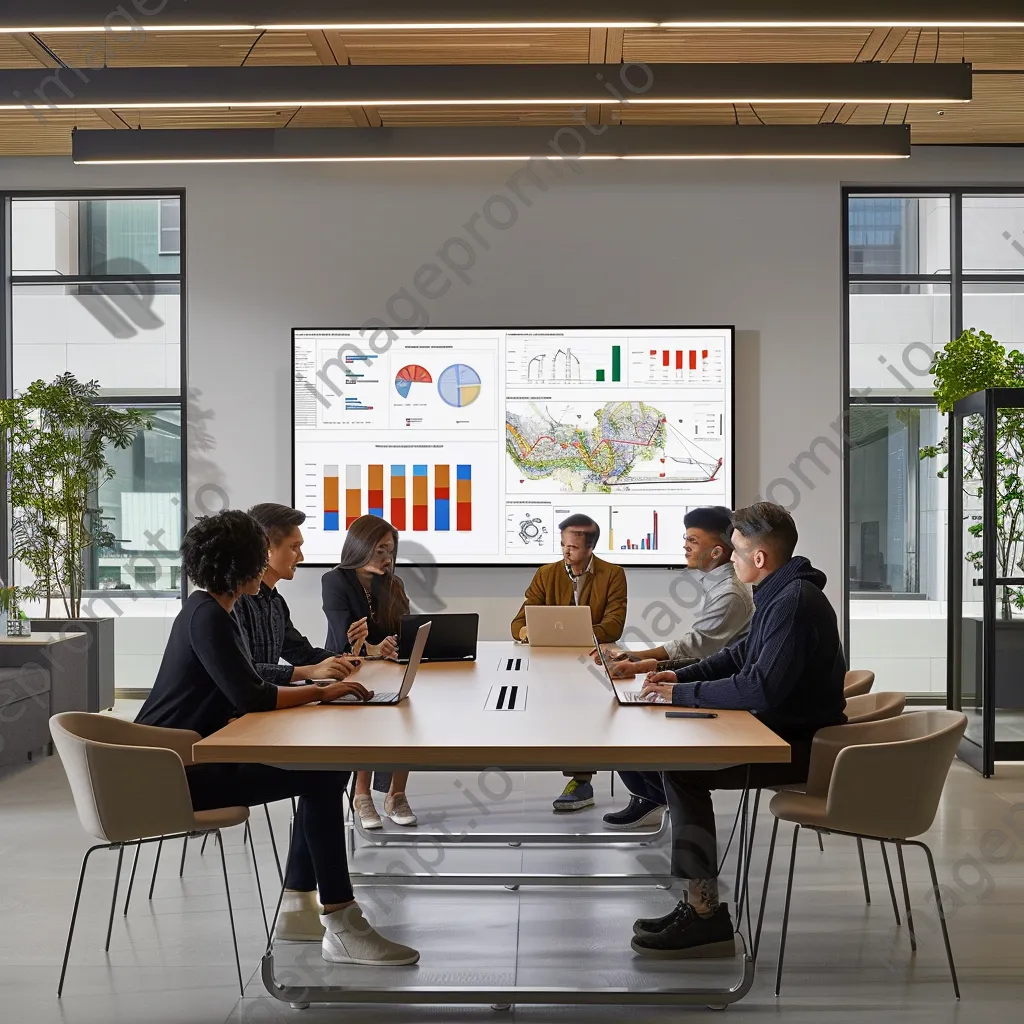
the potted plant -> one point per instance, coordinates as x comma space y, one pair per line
973, 362
55, 438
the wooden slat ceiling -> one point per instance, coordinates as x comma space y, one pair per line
996, 115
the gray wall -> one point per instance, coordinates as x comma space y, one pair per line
755, 245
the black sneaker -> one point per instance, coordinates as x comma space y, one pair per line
654, 925
690, 936
639, 814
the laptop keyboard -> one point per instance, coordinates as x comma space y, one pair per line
636, 697
377, 698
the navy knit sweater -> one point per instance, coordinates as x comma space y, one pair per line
789, 669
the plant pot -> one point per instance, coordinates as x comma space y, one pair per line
1009, 658
99, 641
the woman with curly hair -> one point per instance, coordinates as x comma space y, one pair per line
207, 678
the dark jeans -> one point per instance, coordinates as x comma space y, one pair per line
316, 858
694, 839
646, 785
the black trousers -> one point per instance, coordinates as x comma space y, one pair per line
694, 837
316, 857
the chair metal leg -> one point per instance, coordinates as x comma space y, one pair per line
611, 784
202, 849
906, 897
231, 913
156, 864
273, 842
131, 880
863, 871
184, 850
764, 891
748, 856
892, 888
74, 916
821, 847
259, 887
117, 882
741, 849
942, 914
785, 913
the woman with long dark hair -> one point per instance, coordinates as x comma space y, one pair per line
364, 602
206, 679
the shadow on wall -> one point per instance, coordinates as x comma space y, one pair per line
747, 371
206, 478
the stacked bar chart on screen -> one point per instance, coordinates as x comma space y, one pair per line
476, 443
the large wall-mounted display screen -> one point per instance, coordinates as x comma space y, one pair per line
475, 444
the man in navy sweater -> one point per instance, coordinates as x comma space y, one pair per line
789, 671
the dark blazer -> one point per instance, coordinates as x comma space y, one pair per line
345, 603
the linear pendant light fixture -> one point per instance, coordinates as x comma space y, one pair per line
361, 145
413, 15
474, 85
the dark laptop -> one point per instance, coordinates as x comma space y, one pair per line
452, 637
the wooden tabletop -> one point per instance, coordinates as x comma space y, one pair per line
571, 721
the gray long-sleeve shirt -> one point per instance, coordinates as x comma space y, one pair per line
724, 615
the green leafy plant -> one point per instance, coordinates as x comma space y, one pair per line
55, 438
970, 363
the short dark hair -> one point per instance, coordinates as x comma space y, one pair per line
770, 523
222, 552
277, 520
713, 519
586, 525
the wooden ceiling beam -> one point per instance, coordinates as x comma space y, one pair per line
330, 48
46, 58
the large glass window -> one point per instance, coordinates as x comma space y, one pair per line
95, 290
910, 289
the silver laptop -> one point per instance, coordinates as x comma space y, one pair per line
559, 625
627, 691
376, 670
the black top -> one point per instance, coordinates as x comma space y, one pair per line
206, 677
345, 602
268, 630
789, 670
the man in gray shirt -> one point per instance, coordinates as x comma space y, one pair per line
725, 613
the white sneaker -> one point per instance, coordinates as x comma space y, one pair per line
368, 816
398, 810
351, 939
299, 919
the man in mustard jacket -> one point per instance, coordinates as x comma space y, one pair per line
579, 578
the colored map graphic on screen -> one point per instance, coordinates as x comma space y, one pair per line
409, 375
562, 444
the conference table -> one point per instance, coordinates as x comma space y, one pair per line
515, 708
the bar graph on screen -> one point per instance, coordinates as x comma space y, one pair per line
699, 363
432, 504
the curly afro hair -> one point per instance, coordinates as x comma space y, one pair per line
222, 552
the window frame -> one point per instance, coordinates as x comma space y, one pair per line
956, 278
9, 280
161, 251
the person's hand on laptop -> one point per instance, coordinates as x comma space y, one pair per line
659, 685
333, 668
628, 669
389, 648
611, 653
335, 688
357, 634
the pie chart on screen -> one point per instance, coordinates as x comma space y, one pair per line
409, 375
459, 385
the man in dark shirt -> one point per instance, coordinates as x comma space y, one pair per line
789, 671
264, 617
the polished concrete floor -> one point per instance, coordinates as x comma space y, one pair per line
171, 961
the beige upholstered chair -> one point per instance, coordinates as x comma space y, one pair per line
858, 682
876, 780
874, 707
129, 786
